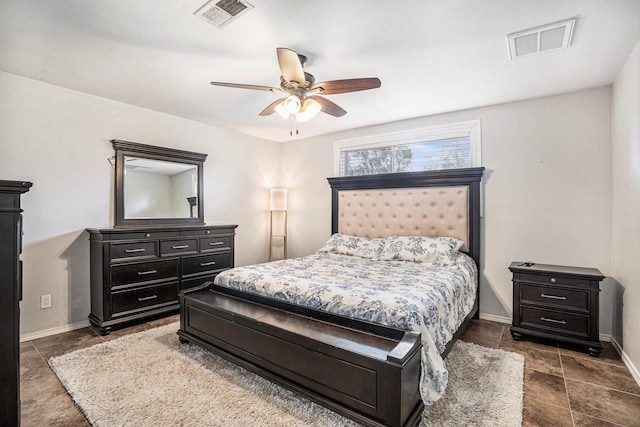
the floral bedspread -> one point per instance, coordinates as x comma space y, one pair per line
406, 295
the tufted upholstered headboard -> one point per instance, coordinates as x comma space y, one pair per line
430, 203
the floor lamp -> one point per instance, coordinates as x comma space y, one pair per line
278, 224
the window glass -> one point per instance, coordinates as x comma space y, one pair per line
368, 161
442, 147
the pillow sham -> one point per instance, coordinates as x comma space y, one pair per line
436, 251
363, 247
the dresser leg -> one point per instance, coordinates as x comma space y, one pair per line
594, 352
104, 330
516, 335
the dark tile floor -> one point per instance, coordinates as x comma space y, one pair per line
562, 386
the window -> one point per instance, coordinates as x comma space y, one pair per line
450, 146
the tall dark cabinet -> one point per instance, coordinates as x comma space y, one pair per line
10, 296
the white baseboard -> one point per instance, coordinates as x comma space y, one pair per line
606, 337
494, 318
635, 373
53, 331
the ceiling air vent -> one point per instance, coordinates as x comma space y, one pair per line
221, 13
541, 39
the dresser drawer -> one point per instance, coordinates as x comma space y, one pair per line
204, 263
178, 247
143, 298
567, 324
215, 243
551, 279
575, 299
196, 281
143, 272
143, 235
119, 251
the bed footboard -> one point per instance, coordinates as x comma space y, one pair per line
366, 372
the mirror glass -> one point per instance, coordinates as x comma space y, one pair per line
157, 185
159, 189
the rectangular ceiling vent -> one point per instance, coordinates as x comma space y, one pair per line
221, 13
541, 39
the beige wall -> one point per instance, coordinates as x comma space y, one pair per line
625, 267
546, 188
59, 139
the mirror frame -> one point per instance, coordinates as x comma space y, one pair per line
128, 148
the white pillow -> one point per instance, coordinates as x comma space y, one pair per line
363, 247
436, 251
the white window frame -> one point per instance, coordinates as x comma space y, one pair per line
470, 128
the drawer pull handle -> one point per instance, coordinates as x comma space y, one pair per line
216, 243
179, 246
553, 280
131, 251
545, 319
142, 273
553, 296
204, 264
147, 298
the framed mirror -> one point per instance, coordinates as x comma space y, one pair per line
157, 185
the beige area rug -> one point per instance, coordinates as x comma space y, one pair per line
150, 379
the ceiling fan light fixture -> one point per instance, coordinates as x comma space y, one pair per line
310, 108
289, 106
292, 104
281, 109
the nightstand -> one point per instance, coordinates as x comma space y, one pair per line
557, 302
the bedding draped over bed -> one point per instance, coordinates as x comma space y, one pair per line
406, 295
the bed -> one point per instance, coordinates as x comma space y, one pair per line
334, 326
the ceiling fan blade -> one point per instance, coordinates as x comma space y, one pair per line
243, 86
329, 107
271, 108
290, 66
347, 85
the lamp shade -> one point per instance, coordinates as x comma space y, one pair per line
278, 199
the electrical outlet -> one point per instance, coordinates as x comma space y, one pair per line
45, 301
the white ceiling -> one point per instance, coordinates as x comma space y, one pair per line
432, 56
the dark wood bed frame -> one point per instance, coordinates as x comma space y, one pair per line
367, 372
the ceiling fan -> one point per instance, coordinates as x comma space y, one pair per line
302, 101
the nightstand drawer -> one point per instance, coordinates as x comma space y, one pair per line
141, 298
178, 247
559, 297
148, 249
551, 279
555, 321
204, 263
143, 272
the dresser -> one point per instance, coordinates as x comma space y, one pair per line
137, 272
10, 297
557, 302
